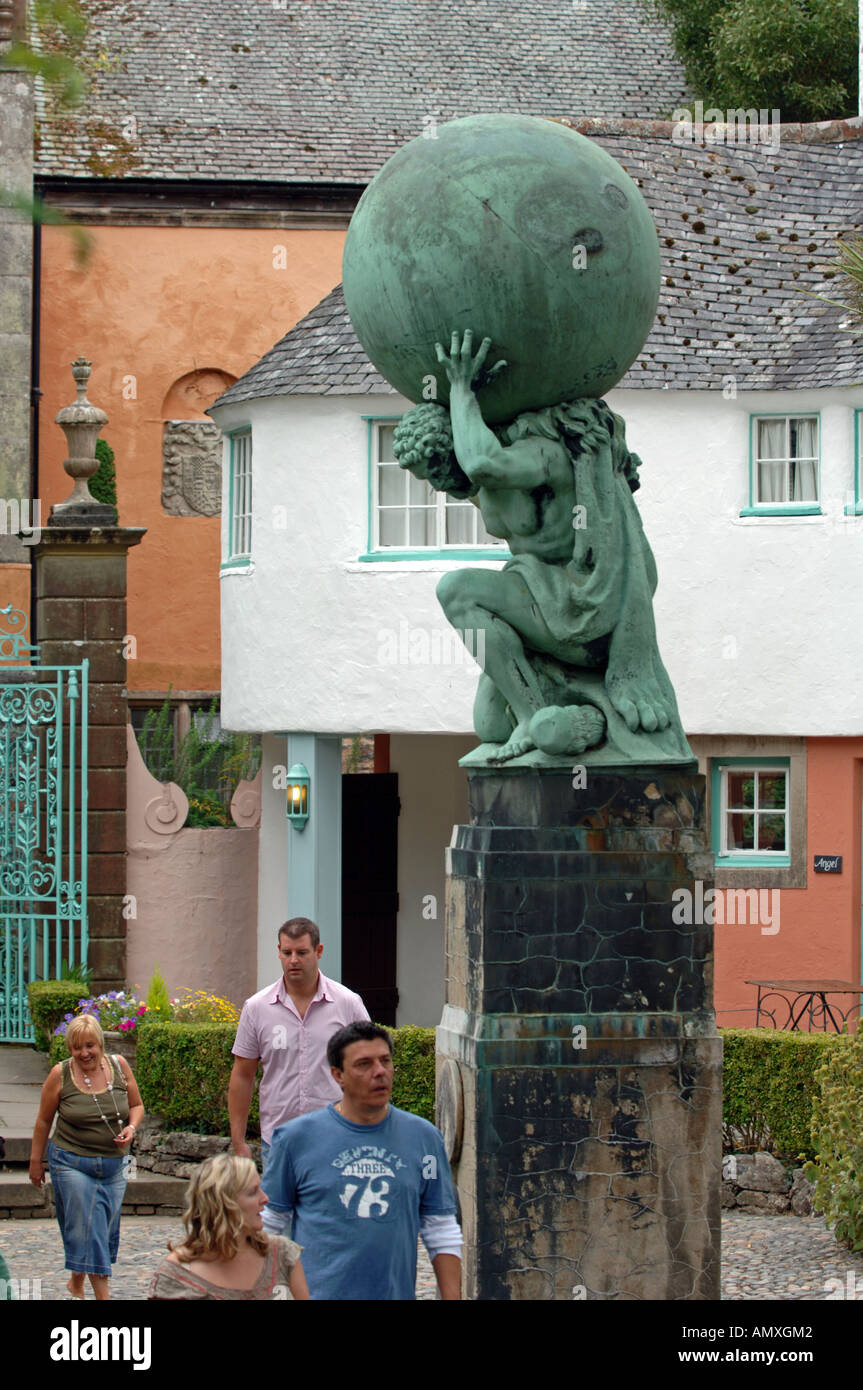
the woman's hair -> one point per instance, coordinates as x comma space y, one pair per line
212, 1218
82, 1026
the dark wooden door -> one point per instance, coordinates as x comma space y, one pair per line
370, 900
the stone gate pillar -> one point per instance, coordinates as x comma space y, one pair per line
81, 613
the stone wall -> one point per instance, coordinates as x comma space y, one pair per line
760, 1183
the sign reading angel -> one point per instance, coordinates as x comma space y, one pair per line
525, 231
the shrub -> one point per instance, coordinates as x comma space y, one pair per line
103, 484
50, 1001
159, 1008
770, 1087
837, 1137
413, 1057
183, 1071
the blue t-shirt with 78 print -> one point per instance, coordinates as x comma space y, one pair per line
359, 1193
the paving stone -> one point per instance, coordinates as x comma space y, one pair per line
764, 1257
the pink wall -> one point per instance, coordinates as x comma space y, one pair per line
196, 902
819, 926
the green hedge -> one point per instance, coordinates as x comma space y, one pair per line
183, 1072
50, 1001
413, 1057
770, 1087
837, 1129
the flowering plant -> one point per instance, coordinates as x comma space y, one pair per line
197, 1006
115, 1011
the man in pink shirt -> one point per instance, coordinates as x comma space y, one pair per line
287, 1027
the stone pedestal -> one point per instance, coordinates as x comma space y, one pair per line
578, 1040
81, 613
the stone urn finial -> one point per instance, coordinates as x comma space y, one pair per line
81, 423
7, 21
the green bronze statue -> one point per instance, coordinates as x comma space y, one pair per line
571, 664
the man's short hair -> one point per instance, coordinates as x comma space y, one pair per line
354, 1032
300, 926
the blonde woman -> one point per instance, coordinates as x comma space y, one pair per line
226, 1253
98, 1109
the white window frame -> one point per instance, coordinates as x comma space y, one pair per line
786, 503
441, 502
240, 508
756, 855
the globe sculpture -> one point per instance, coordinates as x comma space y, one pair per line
503, 275
519, 229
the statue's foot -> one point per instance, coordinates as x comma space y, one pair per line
639, 701
566, 729
519, 742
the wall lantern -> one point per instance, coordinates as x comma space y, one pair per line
297, 808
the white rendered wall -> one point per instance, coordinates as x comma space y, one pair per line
433, 794
758, 618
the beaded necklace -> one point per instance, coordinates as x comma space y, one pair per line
110, 1089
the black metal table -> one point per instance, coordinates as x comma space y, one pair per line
806, 992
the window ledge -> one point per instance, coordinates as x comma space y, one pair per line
856, 510
238, 566
805, 509
411, 556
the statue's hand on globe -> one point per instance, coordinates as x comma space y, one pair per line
461, 368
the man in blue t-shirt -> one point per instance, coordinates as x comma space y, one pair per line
362, 1180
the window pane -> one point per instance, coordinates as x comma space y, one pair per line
741, 832
771, 833
771, 790
420, 492
741, 789
392, 526
771, 439
391, 482
386, 452
423, 526
459, 523
804, 480
804, 438
771, 482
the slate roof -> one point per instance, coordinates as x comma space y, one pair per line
744, 231
326, 90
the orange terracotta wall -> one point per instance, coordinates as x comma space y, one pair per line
151, 305
819, 926
15, 589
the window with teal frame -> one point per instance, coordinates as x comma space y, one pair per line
856, 508
751, 813
784, 465
239, 501
409, 520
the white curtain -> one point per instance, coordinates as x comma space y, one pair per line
771, 461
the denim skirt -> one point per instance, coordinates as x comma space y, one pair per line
88, 1195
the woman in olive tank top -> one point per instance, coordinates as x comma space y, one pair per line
98, 1108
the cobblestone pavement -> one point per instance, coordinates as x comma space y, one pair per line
763, 1258
34, 1250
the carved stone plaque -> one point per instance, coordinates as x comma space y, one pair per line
192, 468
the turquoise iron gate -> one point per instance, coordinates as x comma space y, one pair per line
43, 827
